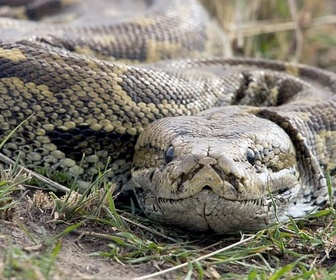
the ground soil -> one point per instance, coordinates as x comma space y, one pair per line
29, 228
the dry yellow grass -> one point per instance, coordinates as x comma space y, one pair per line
302, 31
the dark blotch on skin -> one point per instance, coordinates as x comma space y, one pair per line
73, 142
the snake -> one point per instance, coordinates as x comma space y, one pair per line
146, 95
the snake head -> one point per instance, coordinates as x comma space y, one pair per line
222, 171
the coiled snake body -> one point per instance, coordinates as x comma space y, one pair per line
263, 149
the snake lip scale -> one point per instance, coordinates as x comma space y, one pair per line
206, 141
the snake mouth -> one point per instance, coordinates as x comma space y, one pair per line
172, 201
211, 211
207, 211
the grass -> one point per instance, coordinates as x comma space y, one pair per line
10, 183
300, 249
303, 249
21, 264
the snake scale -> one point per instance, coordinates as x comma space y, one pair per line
226, 144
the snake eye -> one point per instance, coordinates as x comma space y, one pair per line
251, 156
169, 156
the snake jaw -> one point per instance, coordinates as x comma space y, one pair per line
207, 211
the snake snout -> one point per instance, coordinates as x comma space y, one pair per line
209, 176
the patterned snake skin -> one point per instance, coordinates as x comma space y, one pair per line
240, 142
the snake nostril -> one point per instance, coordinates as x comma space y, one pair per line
207, 188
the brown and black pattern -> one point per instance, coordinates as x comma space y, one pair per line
88, 85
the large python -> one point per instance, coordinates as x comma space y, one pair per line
263, 151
